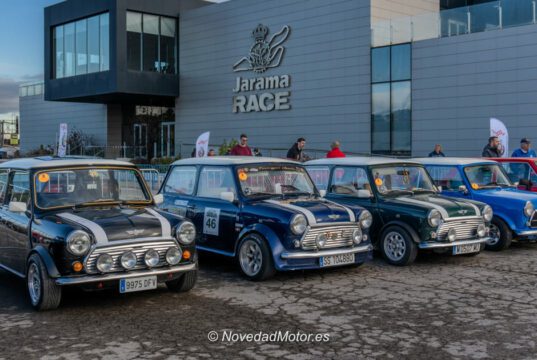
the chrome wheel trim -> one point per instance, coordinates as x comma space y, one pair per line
394, 246
494, 235
34, 283
250, 257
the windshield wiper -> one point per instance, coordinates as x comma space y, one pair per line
398, 191
421, 190
89, 203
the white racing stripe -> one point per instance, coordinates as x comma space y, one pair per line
308, 214
443, 211
96, 229
164, 223
477, 211
352, 217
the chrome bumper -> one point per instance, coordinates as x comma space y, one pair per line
437, 245
527, 233
318, 254
126, 275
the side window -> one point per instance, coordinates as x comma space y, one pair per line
348, 180
216, 180
4, 175
19, 189
181, 180
320, 176
517, 171
448, 177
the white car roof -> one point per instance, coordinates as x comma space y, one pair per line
54, 162
232, 160
450, 161
360, 161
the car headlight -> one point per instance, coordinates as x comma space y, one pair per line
487, 213
434, 218
186, 233
151, 258
128, 260
357, 236
105, 263
529, 209
366, 219
452, 235
78, 242
298, 224
173, 255
320, 240
481, 230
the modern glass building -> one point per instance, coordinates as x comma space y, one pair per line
391, 77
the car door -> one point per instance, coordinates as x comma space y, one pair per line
449, 178
178, 191
4, 241
215, 217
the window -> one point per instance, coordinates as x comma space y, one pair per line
167, 45
518, 171
4, 174
320, 176
181, 180
134, 41
19, 191
81, 47
58, 51
104, 46
214, 181
93, 45
150, 43
448, 177
69, 46
348, 180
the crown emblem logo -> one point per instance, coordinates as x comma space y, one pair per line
260, 33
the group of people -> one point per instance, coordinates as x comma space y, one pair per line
494, 150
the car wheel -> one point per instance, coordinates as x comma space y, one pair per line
397, 247
255, 258
185, 283
500, 236
43, 292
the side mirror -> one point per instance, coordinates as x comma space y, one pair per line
17, 207
322, 193
364, 194
159, 199
463, 189
227, 196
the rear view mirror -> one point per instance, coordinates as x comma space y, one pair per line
364, 194
322, 193
159, 199
17, 207
227, 196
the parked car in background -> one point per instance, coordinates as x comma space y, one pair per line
408, 214
89, 223
486, 181
266, 213
521, 171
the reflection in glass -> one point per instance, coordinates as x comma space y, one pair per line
380, 64
58, 51
167, 45
380, 117
81, 47
454, 22
485, 16
401, 116
134, 41
517, 12
69, 46
93, 44
150, 43
400, 62
104, 35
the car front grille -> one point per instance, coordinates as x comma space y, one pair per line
465, 228
139, 249
337, 236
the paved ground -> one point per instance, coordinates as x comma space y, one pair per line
441, 307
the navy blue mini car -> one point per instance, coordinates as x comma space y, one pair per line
266, 213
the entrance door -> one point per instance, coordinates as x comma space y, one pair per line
167, 140
140, 140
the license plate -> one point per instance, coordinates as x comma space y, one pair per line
137, 284
466, 249
335, 260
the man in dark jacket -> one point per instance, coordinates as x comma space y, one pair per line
492, 149
437, 152
296, 151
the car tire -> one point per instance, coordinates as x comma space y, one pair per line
397, 246
185, 283
255, 258
503, 236
43, 292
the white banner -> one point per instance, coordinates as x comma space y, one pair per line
202, 144
62, 140
498, 128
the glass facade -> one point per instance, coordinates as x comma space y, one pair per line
81, 47
391, 125
151, 43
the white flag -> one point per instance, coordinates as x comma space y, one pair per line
202, 144
497, 128
62, 140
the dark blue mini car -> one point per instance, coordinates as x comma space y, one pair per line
266, 213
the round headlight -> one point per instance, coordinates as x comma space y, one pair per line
487, 213
320, 240
434, 218
529, 209
186, 233
357, 236
173, 255
151, 258
128, 260
452, 235
481, 230
298, 224
366, 219
105, 263
78, 242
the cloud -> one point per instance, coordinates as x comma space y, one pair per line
9, 92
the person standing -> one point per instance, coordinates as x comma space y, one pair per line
296, 152
491, 149
437, 152
211, 153
242, 148
335, 151
525, 150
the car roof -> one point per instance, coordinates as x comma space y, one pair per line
514, 159
361, 160
232, 160
53, 162
453, 161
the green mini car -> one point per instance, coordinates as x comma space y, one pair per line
408, 214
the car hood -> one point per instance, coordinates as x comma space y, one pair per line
448, 207
115, 224
317, 211
511, 195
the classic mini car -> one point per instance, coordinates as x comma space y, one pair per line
408, 214
266, 213
89, 223
486, 181
521, 171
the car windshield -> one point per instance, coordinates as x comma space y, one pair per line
76, 187
274, 180
486, 176
396, 180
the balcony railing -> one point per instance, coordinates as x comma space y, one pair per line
458, 21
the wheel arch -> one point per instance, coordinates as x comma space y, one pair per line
413, 234
52, 270
268, 235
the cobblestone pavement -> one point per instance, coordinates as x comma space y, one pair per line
480, 307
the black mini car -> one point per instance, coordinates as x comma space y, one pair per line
90, 223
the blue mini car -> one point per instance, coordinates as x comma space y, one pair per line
486, 181
266, 213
